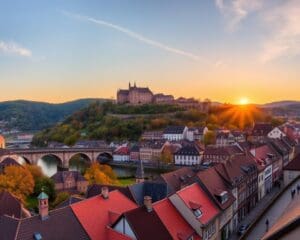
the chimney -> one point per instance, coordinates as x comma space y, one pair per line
148, 203
104, 192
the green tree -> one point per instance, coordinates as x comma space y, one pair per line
46, 185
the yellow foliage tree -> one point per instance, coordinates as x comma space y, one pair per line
18, 181
36, 171
100, 174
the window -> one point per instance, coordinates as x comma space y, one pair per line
197, 213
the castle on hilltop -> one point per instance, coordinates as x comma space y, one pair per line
137, 96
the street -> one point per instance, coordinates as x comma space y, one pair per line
273, 213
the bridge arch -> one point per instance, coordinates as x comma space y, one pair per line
24, 160
82, 155
50, 163
104, 157
79, 161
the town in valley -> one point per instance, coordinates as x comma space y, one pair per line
150, 120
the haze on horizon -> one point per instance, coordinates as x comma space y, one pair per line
225, 50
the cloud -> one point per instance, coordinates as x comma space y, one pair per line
235, 11
14, 48
134, 35
283, 23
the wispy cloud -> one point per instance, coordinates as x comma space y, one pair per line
237, 10
283, 22
14, 48
134, 35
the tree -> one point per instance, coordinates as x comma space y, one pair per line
61, 196
166, 156
100, 174
18, 181
45, 184
209, 138
36, 171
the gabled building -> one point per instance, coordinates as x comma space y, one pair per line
178, 179
70, 181
198, 210
260, 132
150, 151
56, 224
134, 95
152, 135
222, 196
276, 133
240, 172
292, 170
215, 154
96, 213
11, 206
121, 154
196, 133
188, 156
175, 133
142, 223
176, 225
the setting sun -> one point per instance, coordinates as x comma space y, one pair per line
243, 101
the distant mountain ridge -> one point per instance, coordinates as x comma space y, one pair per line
30, 115
279, 104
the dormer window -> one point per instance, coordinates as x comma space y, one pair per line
197, 213
223, 197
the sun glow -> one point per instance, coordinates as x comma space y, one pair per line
244, 101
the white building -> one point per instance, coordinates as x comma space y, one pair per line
276, 133
175, 133
121, 154
188, 156
196, 133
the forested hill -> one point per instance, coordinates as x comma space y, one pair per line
29, 116
105, 121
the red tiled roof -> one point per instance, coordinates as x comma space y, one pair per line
94, 213
122, 151
146, 225
294, 165
215, 185
114, 235
195, 194
173, 221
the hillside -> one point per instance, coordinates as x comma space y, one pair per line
29, 116
281, 104
99, 121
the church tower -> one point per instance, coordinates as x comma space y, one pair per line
43, 205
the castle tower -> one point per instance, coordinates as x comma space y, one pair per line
43, 205
140, 174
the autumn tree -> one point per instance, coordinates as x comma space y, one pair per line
209, 138
166, 156
100, 174
18, 181
36, 171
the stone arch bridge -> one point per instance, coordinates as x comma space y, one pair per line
63, 154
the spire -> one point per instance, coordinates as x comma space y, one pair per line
140, 174
129, 85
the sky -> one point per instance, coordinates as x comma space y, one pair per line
224, 50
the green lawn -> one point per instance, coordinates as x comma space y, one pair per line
126, 181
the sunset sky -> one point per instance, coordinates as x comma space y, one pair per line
225, 50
